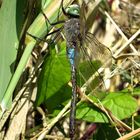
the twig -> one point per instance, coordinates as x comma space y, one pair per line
130, 135
90, 130
56, 137
7, 113
111, 117
120, 31
41, 135
127, 43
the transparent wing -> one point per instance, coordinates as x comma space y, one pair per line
91, 49
96, 50
82, 19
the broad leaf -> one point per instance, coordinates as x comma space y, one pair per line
11, 22
53, 80
122, 105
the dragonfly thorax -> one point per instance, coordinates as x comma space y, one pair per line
72, 29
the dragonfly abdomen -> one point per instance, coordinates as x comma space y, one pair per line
72, 34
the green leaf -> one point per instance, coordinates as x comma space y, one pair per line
11, 21
38, 31
90, 113
122, 105
136, 91
53, 79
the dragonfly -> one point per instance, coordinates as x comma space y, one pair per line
77, 41
79, 44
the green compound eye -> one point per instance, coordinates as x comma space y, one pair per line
73, 10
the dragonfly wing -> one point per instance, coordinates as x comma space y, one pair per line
91, 49
96, 50
83, 19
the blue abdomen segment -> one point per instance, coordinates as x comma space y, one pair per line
71, 55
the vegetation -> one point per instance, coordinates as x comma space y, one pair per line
35, 87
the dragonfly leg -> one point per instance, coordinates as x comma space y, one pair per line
52, 24
50, 33
41, 39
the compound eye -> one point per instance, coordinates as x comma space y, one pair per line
73, 9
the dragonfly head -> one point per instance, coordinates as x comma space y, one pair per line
73, 10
